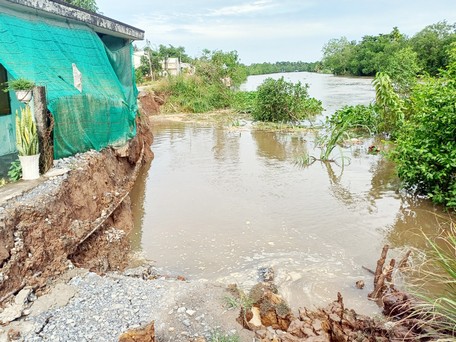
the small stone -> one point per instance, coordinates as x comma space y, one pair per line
21, 297
14, 335
261, 333
181, 309
360, 284
190, 312
145, 334
199, 318
170, 312
171, 329
186, 322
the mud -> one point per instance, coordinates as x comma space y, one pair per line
41, 230
150, 102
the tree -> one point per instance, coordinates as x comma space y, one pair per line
431, 45
171, 51
337, 55
402, 66
218, 67
90, 5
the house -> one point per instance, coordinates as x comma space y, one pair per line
137, 56
84, 61
171, 66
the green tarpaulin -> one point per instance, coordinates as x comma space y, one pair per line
50, 53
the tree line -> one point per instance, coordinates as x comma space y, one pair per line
425, 52
271, 68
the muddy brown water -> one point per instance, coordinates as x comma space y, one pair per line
218, 203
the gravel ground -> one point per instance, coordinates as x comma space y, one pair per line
83, 306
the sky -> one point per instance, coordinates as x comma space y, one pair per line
272, 30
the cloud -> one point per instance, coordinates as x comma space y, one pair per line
247, 8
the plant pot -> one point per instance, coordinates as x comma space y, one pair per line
24, 95
30, 167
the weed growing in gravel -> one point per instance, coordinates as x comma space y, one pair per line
243, 301
218, 336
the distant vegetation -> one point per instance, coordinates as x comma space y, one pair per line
210, 86
392, 53
271, 68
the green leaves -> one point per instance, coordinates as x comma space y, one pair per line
426, 144
282, 101
388, 103
26, 134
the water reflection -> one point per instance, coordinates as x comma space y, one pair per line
279, 146
138, 197
415, 219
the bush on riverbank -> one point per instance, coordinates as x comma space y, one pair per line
282, 101
191, 94
216, 77
426, 146
359, 116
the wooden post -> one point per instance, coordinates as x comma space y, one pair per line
44, 128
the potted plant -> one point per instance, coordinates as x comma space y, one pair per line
27, 143
23, 89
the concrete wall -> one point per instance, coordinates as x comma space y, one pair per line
8, 127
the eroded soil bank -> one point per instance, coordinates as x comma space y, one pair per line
45, 230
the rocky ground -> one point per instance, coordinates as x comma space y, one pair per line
83, 306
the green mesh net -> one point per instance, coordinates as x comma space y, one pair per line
44, 50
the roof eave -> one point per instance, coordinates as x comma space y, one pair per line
99, 23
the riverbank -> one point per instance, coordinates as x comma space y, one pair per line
82, 305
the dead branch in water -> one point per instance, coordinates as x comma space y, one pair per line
380, 263
368, 269
404, 261
383, 275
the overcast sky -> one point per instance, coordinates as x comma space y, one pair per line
272, 30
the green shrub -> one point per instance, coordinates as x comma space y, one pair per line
244, 101
15, 171
282, 101
191, 94
388, 103
426, 145
359, 116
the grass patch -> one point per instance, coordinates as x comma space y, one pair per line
219, 336
437, 309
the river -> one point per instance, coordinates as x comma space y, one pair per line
218, 203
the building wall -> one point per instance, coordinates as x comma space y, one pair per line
8, 127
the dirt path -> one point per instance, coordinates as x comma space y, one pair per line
83, 306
